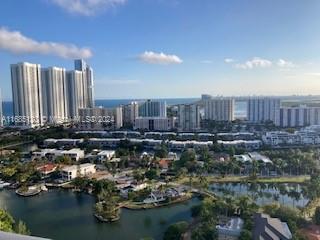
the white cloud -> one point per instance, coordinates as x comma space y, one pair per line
253, 63
228, 60
87, 7
285, 64
15, 42
159, 58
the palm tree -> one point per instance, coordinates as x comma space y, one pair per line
254, 168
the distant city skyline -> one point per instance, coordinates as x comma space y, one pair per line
169, 48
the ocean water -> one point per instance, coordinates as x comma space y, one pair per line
240, 106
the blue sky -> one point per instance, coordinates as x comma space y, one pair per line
169, 48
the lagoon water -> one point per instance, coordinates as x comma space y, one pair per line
62, 214
264, 193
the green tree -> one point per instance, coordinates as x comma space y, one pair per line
6, 221
8, 224
151, 174
245, 235
63, 160
205, 231
317, 216
161, 152
175, 231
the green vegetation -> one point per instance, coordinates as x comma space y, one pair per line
8, 224
292, 216
107, 208
13, 169
64, 160
161, 152
175, 231
294, 161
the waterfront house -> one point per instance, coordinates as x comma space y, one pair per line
70, 172
46, 169
266, 227
155, 197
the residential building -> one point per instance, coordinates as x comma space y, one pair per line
51, 154
205, 97
281, 138
188, 117
54, 94
26, 94
47, 169
80, 88
180, 145
63, 142
262, 109
154, 123
75, 154
298, 116
266, 227
129, 113
219, 109
152, 108
81, 65
76, 88
49, 95
71, 172
229, 136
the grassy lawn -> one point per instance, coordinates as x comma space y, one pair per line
236, 179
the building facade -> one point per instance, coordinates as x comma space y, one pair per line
27, 94
262, 109
298, 116
81, 65
154, 123
54, 94
188, 117
219, 109
129, 113
152, 108
50, 95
